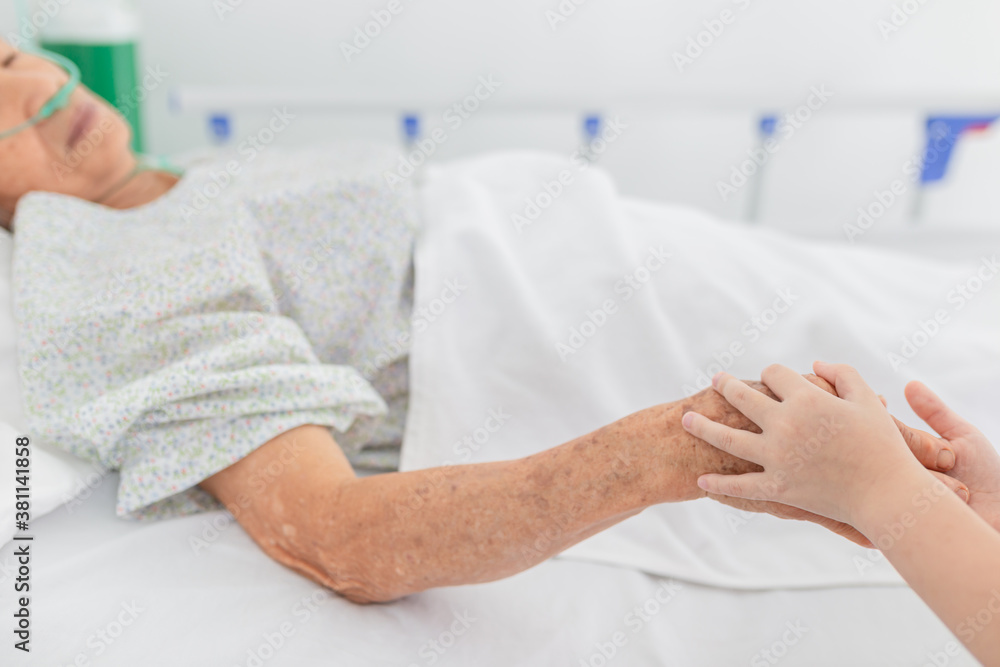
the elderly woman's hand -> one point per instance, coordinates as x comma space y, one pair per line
822, 439
672, 460
708, 459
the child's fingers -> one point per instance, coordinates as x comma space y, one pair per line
931, 451
782, 380
961, 490
848, 381
752, 485
935, 413
744, 398
736, 442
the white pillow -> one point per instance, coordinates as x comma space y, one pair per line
56, 476
10, 393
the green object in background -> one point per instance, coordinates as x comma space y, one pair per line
110, 70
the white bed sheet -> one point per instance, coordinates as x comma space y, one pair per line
210, 608
505, 344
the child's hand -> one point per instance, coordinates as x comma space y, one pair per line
827, 455
962, 451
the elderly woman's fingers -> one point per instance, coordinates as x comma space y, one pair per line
933, 452
741, 444
843, 529
744, 398
751, 485
796, 514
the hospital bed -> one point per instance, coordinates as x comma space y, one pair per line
115, 593
197, 591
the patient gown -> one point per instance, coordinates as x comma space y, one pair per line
171, 340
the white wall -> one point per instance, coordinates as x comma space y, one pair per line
687, 129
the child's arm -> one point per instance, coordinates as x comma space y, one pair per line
948, 554
845, 459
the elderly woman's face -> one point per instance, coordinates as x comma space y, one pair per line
82, 150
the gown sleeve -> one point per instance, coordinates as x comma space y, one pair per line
156, 346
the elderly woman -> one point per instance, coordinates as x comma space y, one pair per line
229, 335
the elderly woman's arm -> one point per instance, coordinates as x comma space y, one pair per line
379, 538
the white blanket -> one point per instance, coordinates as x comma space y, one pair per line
569, 319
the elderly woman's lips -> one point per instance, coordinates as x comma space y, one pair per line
83, 121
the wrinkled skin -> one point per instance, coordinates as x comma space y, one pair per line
692, 457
